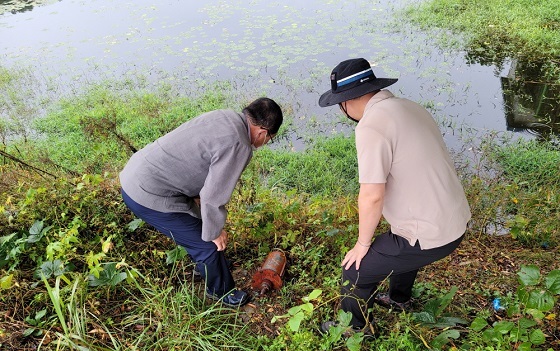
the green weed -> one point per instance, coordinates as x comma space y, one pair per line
536, 295
495, 30
175, 317
328, 167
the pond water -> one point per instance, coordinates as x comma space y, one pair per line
282, 49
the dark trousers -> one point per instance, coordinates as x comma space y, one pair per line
390, 256
186, 231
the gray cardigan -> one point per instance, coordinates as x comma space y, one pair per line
203, 157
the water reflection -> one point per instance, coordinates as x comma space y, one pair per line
531, 104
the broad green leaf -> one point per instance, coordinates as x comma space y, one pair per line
344, 318
478, 324
39, 315
503, 327
51, 269
446, 300
518, 335
307, 307
541, 300
444, 338
526, 323
295, 321
431, 307
6, 282
522, 294
491, 336
36, 232
175, 255
537, 337
6, 238
529, 275
333, 232
526, 346
294, 310
28, 332
134, 224
108, 276
424, 317
513, 309
36, 228
552, 281
538, 315
315, 294
354, 342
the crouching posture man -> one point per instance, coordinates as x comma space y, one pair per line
181, 183
406, 175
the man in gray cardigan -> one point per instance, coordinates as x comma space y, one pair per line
181, 183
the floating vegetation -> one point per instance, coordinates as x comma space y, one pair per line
15, 6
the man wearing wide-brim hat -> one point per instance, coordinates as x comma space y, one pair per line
407, 176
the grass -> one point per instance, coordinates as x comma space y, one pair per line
494, 30
107, 125
161, 307
327, 167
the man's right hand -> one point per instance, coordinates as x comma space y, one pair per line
355, 256
221, 241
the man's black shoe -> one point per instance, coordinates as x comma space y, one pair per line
235, 298
383, 299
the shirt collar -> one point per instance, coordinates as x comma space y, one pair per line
246, 121
380, 96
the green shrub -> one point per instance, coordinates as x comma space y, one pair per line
494, 30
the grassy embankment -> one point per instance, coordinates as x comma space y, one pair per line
492, 31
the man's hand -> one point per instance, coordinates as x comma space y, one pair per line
355, 256
370, 206
221, 241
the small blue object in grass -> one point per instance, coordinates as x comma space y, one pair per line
496, 303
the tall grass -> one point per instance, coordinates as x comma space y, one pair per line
526, 196
532, 163
175, 317
104, 126
161, 317
328, 167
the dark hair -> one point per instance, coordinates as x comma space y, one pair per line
266, 113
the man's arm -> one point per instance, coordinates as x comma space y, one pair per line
224, 172
370, 207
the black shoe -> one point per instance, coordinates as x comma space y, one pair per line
369, 332
235, 298
383, 299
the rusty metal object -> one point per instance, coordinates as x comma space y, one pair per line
269, 276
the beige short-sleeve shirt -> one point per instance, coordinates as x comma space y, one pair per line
399, 144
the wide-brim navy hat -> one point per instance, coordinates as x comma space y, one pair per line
351, 79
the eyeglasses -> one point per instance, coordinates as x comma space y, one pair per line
270, 136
